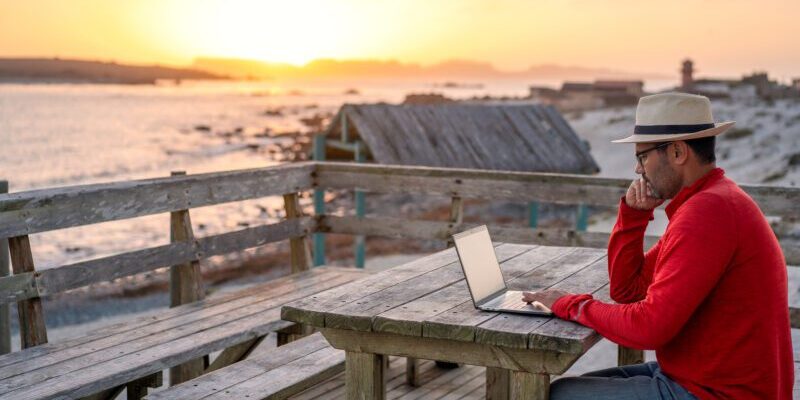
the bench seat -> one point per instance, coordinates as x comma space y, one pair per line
278, 374
114, 356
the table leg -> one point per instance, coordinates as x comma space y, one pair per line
525, 385
497, 383
364, 376
412, 372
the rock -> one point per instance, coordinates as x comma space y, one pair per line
202, 128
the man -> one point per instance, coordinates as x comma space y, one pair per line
710, 297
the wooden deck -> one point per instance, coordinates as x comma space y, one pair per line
466, 382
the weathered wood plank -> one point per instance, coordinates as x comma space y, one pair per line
359, 315
529, 386
185, 279
32, 329
104, 269
234, 354
192, 319
96, 372
364, 376
410, 318
568, 336
289, 379
5, 270
270, 288
542, 361
468, 183
299, 251
156, 356
512, 330
629, 356
185, 286
498, 384
440, 230
461, 322
514, 186
24, 213
224, 378
312, 310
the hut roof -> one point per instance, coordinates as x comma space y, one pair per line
533, 138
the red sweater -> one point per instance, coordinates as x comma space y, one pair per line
710, 297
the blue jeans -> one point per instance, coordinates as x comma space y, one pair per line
629, 382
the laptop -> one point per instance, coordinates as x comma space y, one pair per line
484, 278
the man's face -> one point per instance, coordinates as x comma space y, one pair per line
654, 166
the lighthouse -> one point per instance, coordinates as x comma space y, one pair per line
686, 75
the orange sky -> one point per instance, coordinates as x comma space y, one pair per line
727, 37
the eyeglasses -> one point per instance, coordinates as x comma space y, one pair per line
641, 156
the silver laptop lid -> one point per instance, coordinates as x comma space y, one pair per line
479, 263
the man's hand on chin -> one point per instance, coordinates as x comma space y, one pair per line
546, 297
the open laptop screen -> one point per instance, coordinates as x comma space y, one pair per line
479, 263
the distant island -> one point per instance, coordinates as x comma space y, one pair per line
54, 70
461, 73
381, 69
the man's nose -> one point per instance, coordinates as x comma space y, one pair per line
639, 170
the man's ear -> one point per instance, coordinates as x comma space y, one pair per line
680, 152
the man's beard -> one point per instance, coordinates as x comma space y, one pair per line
667, 185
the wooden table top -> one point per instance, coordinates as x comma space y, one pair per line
429, 297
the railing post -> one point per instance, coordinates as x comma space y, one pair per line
32, 329
185, 286
298, 247
319, 203
533, 214
360, 206
582, 218
5, 319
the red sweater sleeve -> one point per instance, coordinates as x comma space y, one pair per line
629, 270
693, 255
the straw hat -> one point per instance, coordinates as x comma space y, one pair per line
666, 117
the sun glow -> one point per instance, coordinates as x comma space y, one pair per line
276, 31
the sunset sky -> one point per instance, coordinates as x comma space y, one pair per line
725, 38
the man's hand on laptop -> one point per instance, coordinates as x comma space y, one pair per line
546, 297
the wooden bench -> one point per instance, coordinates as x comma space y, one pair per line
108, 358
282, 372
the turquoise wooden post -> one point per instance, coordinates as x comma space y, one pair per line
343, 115
319, 202
582, 220
5, 319
360, 209
533, 214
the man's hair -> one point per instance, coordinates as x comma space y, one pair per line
703, 147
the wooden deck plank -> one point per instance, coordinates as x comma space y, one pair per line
359, 315
179, 318
512, 330
409, 318
147, 354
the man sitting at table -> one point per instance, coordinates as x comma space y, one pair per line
710, 297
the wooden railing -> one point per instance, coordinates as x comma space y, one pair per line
26, 213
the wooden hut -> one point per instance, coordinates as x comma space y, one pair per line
530, 138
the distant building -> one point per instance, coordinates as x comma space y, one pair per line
586, 95
749, 87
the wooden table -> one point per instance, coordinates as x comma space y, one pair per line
423, 310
